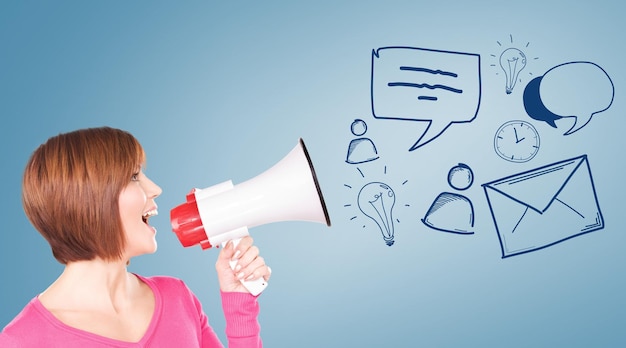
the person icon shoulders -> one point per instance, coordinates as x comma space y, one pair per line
361, 149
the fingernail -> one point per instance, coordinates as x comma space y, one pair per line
237, 268
250, 276
236, 256
240, 275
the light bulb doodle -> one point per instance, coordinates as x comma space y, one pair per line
512, 61
376, 200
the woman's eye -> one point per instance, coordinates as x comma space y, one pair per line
135, 177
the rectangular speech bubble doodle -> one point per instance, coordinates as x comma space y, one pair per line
418, 84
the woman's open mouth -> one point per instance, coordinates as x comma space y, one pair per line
149, 214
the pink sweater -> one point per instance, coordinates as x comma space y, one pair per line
178, 321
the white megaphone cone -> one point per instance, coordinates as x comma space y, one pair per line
288, 191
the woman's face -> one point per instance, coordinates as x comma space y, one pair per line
137, 205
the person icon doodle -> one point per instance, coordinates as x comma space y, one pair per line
452, 212
362, 149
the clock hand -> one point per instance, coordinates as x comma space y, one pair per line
517, 140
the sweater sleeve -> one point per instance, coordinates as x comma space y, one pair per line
241, 311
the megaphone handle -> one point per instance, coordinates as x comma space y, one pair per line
255, 286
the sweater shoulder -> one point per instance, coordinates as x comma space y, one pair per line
20, 329
163, 281
169, 287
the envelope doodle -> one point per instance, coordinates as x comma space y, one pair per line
544, 206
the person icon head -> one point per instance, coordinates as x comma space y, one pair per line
460, 177
358, 127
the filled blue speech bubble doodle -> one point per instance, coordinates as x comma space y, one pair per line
418, 84
534, 106
576, 90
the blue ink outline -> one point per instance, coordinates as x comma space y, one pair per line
549, 168
376, 54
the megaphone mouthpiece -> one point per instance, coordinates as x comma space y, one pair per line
187, 224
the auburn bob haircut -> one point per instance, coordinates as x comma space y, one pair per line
71, 188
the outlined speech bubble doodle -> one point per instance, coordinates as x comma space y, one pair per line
576, 90
419, 84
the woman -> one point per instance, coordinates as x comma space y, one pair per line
86, 193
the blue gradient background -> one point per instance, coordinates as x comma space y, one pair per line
223, 91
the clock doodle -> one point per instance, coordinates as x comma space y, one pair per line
516, 141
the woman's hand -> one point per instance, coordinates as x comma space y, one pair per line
249, 265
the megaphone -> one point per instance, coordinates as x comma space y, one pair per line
288, 191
